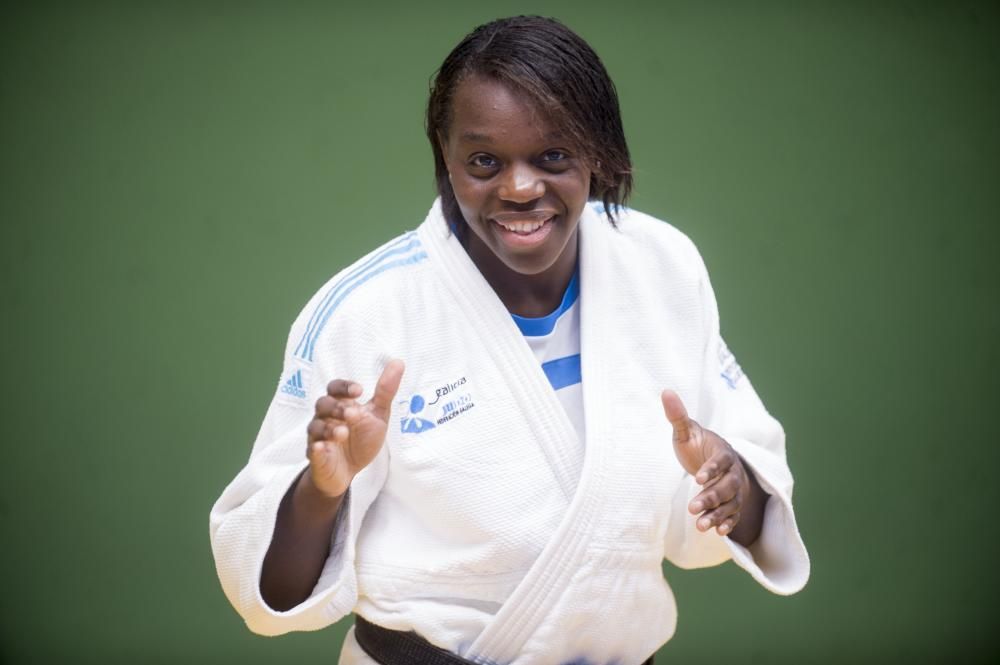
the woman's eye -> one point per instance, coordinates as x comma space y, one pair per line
484, 161
554, 156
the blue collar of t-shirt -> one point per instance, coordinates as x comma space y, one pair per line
543, 325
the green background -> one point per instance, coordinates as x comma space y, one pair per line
176, 179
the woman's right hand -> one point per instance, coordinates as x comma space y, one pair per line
344, 435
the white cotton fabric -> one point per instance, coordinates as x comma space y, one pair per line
498, 534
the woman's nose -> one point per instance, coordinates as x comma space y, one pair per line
521, 183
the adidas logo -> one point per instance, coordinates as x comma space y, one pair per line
293, 386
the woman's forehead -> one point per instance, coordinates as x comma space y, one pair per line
485, 110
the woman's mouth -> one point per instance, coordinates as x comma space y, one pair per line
525, 230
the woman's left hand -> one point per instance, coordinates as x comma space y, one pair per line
731, 499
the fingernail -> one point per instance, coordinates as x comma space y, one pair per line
724, 528
696, 506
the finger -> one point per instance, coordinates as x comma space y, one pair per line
326, 466
352, 415
674, 409
321, 455
386, 388
332, 407
316, 452
316, 430
728, 525
718, 516
343, 389
723, 491
715, 468
687, 442
322, 429
340, 433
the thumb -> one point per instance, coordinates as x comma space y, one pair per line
687, 453
673, 407
387, 387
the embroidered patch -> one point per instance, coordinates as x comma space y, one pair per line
730, 371
449, 400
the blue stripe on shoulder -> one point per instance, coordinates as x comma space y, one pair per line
600, 209
346, 291
563, 372
401, 245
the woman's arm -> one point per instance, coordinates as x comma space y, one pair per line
343, 438
301, 543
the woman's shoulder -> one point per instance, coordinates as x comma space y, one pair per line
362, 291
643, 235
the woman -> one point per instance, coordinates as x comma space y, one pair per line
508, 495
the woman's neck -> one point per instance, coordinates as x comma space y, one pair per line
526, 295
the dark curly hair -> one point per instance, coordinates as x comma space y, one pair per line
559, 72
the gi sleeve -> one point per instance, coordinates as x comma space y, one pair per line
729, 406
242, 521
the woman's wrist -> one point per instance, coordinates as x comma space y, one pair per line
311, 499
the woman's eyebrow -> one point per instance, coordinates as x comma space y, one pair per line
476, 137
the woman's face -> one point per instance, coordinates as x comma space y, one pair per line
519, 183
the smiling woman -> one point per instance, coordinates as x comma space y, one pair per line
525, 128
521, 187
507, 495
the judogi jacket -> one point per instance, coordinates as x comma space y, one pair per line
485, 524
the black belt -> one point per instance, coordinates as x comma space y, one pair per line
395, 647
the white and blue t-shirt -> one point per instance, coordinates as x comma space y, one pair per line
555, 340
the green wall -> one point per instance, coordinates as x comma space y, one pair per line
177, 178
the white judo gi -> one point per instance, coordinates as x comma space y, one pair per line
484, 524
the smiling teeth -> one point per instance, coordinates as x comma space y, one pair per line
522, 227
